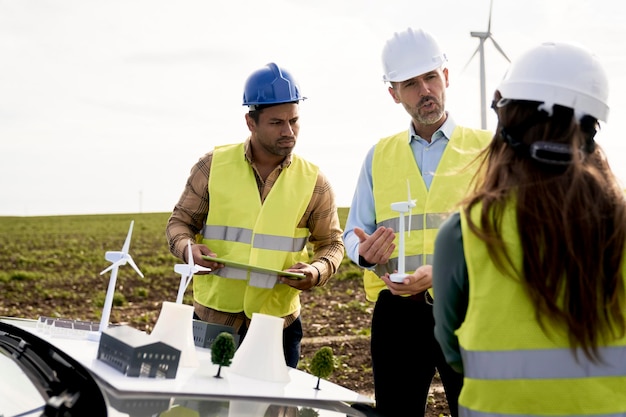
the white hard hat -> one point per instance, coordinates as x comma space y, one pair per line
559, 73
411, 53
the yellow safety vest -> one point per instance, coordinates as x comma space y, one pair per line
511, 367
241, 229
392, 164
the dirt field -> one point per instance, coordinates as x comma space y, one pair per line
343, 324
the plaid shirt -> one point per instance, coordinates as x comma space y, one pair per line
320, 217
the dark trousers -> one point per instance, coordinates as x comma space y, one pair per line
292, 338
405, 357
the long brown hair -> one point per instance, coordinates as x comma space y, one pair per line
571, 221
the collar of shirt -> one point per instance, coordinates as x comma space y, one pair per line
445, 131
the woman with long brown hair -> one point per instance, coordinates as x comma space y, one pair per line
529, 276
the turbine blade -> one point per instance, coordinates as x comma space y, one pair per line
470, 60
498, 48
489, 23
132, 263
127, 241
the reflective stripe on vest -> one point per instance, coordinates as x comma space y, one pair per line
411, 263
241, 229
464, 412
393, 164
543, 364
432, 221
261, 241
513, 367
264, 279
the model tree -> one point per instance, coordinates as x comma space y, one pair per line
222, 351
322, 364
308, 412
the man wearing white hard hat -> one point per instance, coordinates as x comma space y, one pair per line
533, 266
431, 165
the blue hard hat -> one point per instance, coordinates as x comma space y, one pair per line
271, 85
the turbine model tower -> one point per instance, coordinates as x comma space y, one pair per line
482, 37
402, 207
118, 258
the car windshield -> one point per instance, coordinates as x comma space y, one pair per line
19, 396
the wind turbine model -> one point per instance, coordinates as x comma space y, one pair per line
402, 207
483, 36
118, 258
186, 272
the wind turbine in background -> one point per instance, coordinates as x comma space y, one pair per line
402, 207
118, 258
482, 37
186, 272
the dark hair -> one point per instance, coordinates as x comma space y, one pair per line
256, 113
256, 110
571, 222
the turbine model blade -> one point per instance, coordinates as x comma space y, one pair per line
127, 241
119, 258
198, 268
114, 265
132, 263
190, 268
189, 255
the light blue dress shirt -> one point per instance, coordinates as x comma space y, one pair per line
362, 210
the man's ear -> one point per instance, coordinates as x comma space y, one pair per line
393, 94
250, 123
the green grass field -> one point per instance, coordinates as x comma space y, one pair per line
53, 264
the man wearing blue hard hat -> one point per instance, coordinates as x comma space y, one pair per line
256, 203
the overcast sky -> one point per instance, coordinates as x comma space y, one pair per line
106, 105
